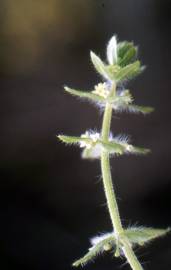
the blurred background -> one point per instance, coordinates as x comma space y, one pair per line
52, 202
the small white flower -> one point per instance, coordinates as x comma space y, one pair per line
127, 97
95, 136
85, 144
102, 90
89, 135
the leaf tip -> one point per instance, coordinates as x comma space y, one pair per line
147, 151
112, 50
168, 230
74, 264
66, 88
150, 110
59, 137
92, 54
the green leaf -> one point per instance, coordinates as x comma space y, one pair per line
120, 103
121, 106
121, 148
87, 258
72, 139
129, 71
99, 65
113, 147
96, 250
142, 235
141, 109
83, 94
123, 48
128, 57
140, 150
112, 51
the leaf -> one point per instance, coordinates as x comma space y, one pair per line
140, 150
123, 107
113, 147
112, 51
129, 71
83, 94
120, 103
141, 109
136, 235
72, 139
87, 258
95, 250
123, 47
122, 148
99, 65
142, 235
129, 57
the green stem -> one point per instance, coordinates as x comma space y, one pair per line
130, 255
109, 189
106, 174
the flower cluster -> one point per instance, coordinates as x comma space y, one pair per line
93, 139
102, 90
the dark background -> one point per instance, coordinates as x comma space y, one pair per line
52, 202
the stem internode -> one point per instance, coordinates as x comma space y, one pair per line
109, 189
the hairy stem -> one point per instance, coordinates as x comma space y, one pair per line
106, 174
130, 255
109, 189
